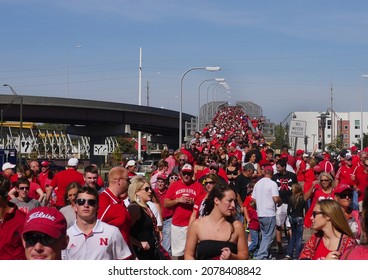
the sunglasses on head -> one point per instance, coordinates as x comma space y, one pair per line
90, 202
32, 239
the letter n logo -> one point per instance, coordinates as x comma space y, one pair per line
103, 241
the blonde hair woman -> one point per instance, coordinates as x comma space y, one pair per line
323, 188
144, 230
333, 234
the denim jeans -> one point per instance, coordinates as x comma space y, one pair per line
296, 237
166, 235
253, 246
268, 233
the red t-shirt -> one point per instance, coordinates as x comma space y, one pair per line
33, 187
166, 213
112, 211
62, 179
318, 194
11, 228
44, 180
182, 212
237, 153
361, 180
344, 175
302, 168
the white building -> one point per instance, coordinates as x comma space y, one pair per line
347, 124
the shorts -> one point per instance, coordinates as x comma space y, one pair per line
281, 216
178, 240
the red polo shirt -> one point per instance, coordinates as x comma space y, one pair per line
113, 212
11, 247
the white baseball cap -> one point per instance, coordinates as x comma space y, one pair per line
73, 162
8, 165
130, 163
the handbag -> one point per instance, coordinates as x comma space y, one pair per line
160, 253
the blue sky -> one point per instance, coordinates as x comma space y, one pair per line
282, 55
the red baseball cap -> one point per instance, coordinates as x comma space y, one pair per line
161, 176
45, 163
47, 220
299, 152
342, 187
268, 168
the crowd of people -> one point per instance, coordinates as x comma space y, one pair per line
224, 195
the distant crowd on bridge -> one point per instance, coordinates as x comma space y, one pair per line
225, 194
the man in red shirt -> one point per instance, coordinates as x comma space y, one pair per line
112, 209
62, 179
326, 164
45, 176
354, 153
160, 191
361, 181
344, 174
233, 151
268, 160
8, 172
180, 197
11, 225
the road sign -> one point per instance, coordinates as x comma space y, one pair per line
297, 128
26, 147
100, 150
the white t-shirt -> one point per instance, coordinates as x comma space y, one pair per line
264, 191
104, 243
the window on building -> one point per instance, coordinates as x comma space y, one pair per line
328, 135
346, 145
346, 136
346, 127
356, 136
357, 124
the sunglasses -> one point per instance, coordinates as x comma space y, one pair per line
147, 189
174, 178
32, 239
187, 174
24, 188
325, 180
90, 202
345, 195
315, 213
209, 183
181, 159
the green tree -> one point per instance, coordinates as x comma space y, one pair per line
365, 141
280, 135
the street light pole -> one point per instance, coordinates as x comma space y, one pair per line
361, 111
208, 68
20, 120
199, 98
323, 118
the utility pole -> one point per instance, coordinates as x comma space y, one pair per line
147, 94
